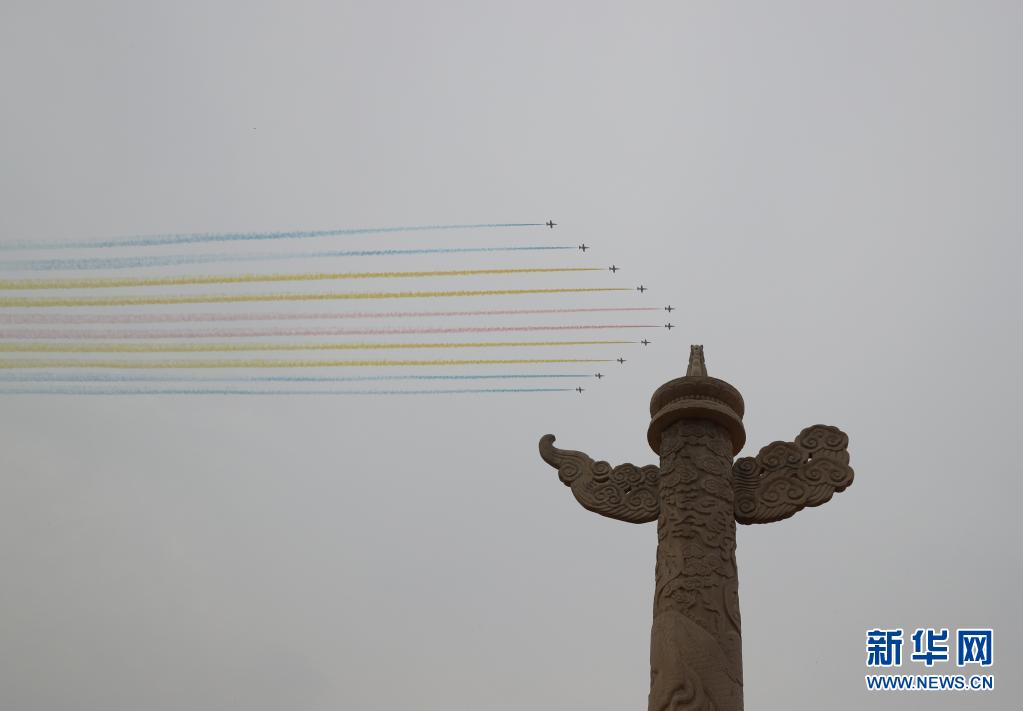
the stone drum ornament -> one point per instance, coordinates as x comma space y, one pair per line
697, 495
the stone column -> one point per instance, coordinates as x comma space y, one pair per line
696, 643
697, 495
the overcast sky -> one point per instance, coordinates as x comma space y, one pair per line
829, 193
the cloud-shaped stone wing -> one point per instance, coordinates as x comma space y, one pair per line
786, 477
626, 492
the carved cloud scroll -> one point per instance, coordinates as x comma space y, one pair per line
786, 477
626, 492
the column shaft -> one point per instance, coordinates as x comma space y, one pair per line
696, 644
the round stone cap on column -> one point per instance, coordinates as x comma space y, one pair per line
696, 396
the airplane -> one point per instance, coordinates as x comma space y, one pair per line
645, 342
640, 288
599, 375
669, 308
621, 360
668, 326
583, 247
612, 269
551, 223
579, 390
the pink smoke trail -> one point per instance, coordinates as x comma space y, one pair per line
67, 334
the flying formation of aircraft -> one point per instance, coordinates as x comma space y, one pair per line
551, 223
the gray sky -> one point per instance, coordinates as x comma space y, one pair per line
828, 192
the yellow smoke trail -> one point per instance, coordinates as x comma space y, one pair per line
106, 283
20, 364
230, 347
43, 302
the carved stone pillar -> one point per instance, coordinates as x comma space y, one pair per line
696, 496
696, 643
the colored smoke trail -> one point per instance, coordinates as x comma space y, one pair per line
70, 335
75, 301
39, 318
231, 391
197, 238
114, 282
171, 260
236, 347
59, 377
43, 363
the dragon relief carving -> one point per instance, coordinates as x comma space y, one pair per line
786, 477
696, 598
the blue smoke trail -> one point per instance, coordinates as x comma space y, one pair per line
168, 260
131, 378
199, 237
212, 391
